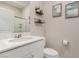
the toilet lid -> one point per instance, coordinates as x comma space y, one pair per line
50, 52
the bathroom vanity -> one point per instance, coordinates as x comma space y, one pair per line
22, 48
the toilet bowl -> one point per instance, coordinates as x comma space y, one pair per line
50, 53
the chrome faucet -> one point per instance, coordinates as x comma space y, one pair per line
18, 35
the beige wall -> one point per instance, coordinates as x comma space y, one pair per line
26, 11
36, 29
59, 28
10, 8
26, 15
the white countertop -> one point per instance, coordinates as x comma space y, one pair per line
6, 45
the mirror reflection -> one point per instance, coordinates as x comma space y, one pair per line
11, 23
20, 24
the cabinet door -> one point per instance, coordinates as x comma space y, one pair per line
37, 53
28, 56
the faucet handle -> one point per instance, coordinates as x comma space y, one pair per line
15, 35
20, 35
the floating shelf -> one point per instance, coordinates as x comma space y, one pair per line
38, 11
39, 21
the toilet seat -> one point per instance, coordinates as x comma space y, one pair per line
50, 52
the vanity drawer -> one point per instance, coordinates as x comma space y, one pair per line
23, 50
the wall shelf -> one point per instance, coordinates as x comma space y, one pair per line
39, 21
38, 11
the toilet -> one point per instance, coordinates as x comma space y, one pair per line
50, 53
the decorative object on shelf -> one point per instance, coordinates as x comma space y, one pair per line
72, 10
38, 21
38, 11
57, 10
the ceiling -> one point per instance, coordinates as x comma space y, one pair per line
18, 4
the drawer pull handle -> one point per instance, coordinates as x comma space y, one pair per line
32, 56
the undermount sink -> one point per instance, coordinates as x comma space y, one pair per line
20, 39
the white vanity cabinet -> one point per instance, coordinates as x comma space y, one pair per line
38, 53
30, 50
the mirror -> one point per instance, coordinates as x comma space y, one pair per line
11, 23
20, 24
